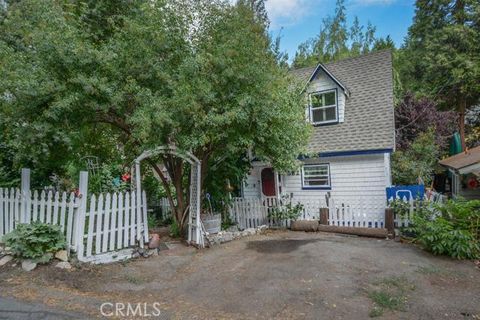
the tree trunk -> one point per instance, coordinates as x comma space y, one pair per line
462, 106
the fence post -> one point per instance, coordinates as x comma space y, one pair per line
25, 185
389, 222
81, 214
324, 216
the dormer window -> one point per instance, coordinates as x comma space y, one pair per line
324, 107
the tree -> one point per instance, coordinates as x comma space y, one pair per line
336, 41
417, 161
442, 56
415, 116
197, 74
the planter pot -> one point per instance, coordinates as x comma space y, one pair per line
212, 223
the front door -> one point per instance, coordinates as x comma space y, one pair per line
268, 182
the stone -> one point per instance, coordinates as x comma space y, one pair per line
63, 265
62, 255
28, 265
154, 241
5, 260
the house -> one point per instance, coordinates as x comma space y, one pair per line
350, 106
465, 170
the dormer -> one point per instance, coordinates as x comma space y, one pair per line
326, 98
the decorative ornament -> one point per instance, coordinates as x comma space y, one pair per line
472, 183
126, 177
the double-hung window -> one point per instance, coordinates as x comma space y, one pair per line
323, 107
316, 176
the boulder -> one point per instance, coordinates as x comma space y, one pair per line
63, 265
28, 265
5, 260
304, 225
154, 241
62, 255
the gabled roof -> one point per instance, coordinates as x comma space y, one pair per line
369, 114
462, 160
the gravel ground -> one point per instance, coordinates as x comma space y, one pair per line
281, 275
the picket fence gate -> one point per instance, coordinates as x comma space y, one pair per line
360, 214
104, 229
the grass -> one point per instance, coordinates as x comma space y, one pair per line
429, 270
133, 279
389, 294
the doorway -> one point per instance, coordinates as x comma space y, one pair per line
268, 182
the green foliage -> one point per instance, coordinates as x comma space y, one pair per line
102, 78
38, 241
337, 41
108, 179
288, 211
418, 161
448, 229
175, 230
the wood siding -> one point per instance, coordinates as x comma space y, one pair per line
352, 178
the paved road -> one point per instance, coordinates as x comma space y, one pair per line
17, 310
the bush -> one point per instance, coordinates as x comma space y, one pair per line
449, 229
287, 211
37, 241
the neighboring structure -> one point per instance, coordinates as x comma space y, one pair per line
351, 110
465, 170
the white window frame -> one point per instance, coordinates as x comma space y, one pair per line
325, 186
311, 108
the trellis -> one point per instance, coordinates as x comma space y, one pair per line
195, 233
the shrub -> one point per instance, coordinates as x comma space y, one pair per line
37, 241
449, 229
175, 231
287, 211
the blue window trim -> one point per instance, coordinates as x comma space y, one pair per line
329, 187
354, 152
325, 123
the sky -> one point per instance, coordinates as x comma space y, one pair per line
299, 20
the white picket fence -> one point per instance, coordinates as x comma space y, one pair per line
114, 222
97, 229
47, 207
252, 212
360, 214
411, 205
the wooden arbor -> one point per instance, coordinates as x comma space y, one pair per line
195, 234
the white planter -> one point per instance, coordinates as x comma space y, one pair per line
212, 223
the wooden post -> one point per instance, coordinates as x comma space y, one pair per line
389, 222
324, 216
79, 223
25, 183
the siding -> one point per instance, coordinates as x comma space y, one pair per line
323, 82
352, 178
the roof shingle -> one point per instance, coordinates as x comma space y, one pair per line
369, 115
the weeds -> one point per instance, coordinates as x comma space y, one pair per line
389, 294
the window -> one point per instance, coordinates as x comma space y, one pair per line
323, 107
316, 176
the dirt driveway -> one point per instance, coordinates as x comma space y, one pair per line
282, 275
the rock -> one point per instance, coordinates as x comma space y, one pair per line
5, 260
28, 265
62, 255
63, 265
154, 241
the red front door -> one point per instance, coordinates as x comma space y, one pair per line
268, 182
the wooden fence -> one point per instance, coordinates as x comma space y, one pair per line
252, 212
113, 222
96, 229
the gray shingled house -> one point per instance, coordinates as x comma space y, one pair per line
351, 110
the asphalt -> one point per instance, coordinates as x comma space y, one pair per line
12, 309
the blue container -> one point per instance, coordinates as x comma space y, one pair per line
415, 191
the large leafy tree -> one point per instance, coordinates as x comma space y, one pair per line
197, 74
442, 57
